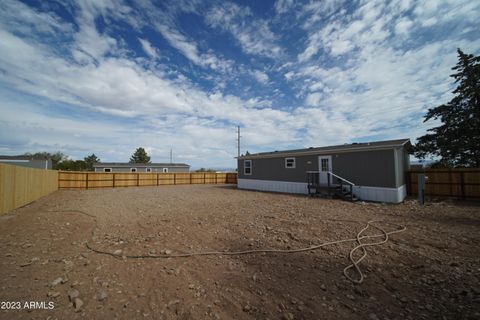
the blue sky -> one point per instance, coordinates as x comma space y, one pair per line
106, 77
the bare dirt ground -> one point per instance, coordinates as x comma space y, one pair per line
430, 271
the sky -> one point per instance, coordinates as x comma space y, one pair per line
106, 76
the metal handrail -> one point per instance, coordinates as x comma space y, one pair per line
338, 177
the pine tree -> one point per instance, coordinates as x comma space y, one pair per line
457, 140
90, 161
140, 156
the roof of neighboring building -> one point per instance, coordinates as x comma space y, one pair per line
137, 165
348, 147
23, 157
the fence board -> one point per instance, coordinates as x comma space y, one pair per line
92, 180
20, 186
460, 183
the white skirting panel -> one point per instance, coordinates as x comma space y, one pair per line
275, 186
391, 195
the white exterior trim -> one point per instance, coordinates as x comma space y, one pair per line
391, 195
274, 186
380, 194
294, 163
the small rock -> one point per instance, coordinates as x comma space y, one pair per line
288, 316
372, 316
53, 294
102, 296
247, 308
25, 264
73, 294
118, 252
57, 281
168, 251
77, 304
323, 287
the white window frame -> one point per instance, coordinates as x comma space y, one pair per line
148, 170
133, 170
245, 167
105, 169
294, 163
165, 170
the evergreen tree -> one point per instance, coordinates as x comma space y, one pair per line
140, 156
90, 161
457, 140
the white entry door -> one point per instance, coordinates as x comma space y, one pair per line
324, 166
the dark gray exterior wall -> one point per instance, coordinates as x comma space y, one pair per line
364, 168
142, 169
367, 168
274, 169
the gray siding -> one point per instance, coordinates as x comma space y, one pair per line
142, 169
364, 168
274, 169
367, 168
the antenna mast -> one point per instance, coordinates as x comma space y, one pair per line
238, 140
171, 156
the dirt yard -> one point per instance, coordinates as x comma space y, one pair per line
430, 271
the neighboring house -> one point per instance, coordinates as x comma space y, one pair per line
141, 167
377, 169
28, 161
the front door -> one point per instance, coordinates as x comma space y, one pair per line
324, 166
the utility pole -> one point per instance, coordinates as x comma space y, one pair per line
171, 155
238, 140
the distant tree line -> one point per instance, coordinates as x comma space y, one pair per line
61, 161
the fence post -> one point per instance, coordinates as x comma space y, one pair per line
113, 174
190, 177
138, 179
462, 183
86, 182
204, 178
216, 178
157, 179
174, 178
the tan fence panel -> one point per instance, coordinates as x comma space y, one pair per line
182, 178
166, 179
147, 179
20, 186
459, 183
92, 180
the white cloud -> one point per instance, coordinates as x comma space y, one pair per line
189, 49
353, 79
253, 35
150, 50
261, 77
403, 26
283, 6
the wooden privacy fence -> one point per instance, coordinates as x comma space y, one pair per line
20, 186
91, 180
459, 183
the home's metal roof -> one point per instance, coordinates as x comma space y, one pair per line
138, 165
348, 147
